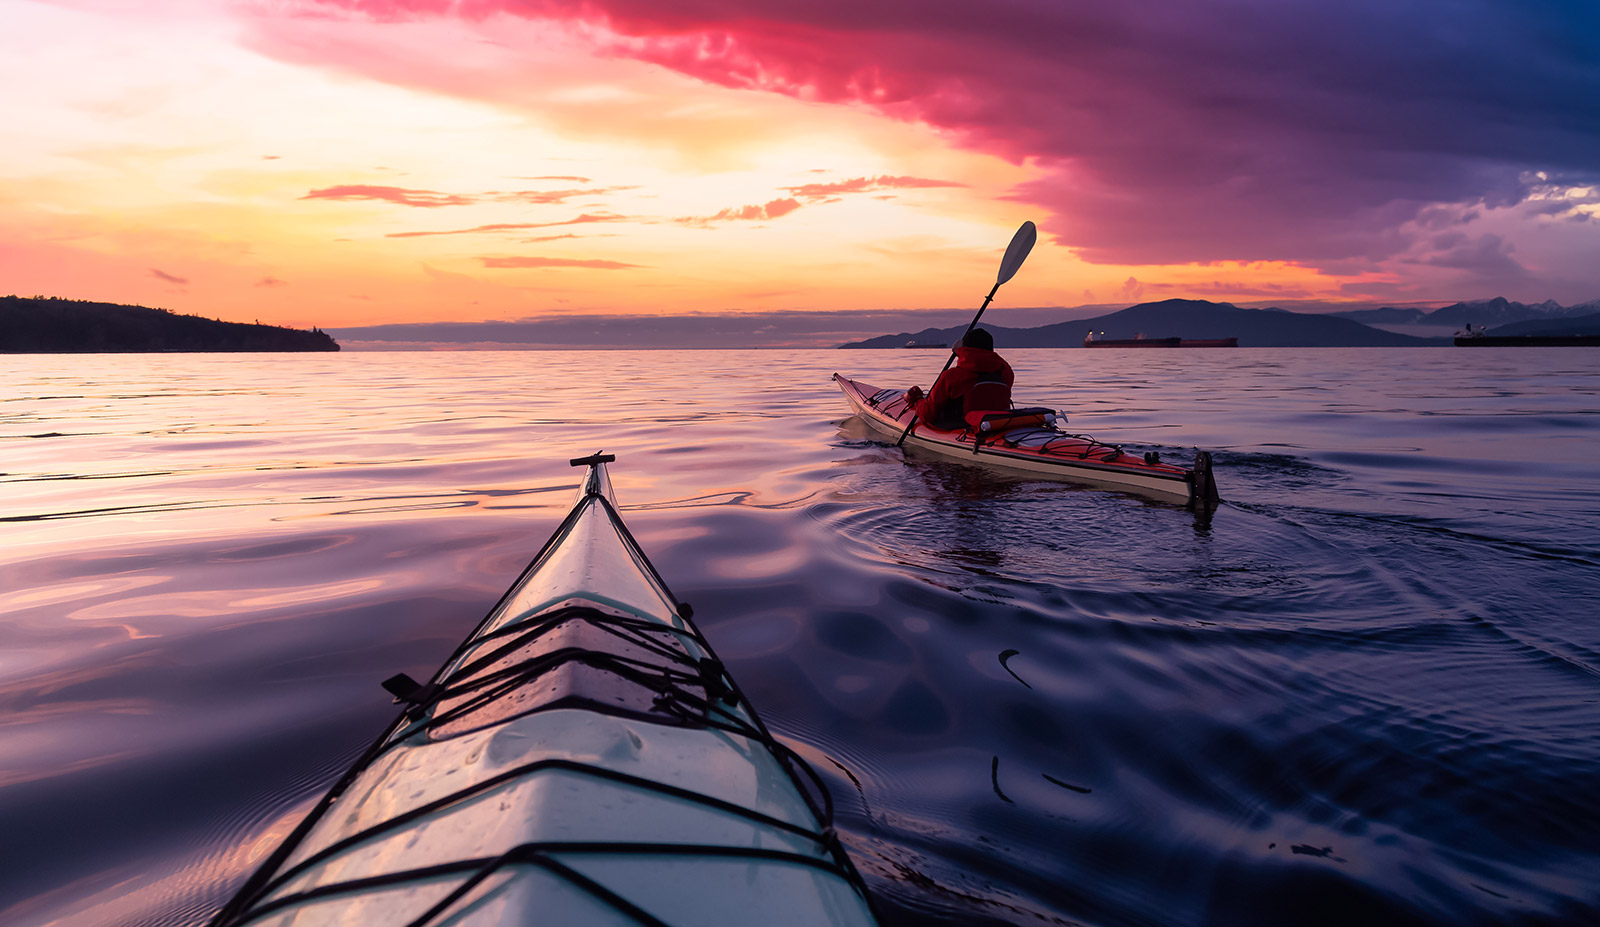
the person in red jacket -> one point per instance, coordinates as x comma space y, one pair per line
981, 380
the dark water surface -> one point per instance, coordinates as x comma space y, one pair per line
1366, 691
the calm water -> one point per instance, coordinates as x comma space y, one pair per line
1366, 691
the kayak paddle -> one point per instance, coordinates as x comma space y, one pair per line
1016, 253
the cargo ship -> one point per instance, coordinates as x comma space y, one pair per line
1475, 338
1140, 341
1526, 341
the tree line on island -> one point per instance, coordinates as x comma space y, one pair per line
1269, 328
51, 325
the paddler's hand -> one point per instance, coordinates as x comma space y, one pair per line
914, 394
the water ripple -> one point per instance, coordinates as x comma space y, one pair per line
1366, 690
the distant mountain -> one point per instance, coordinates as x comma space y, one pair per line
1388, 315
1184, 318
1501, 311
945, 337
68, 326
1579, 325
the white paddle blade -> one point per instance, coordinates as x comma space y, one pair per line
1017, 252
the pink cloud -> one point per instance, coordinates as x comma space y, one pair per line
426, 199
547, 197
778, 208
493, 227
429, 199
511, 262
270, 282
582, 219
1164, 132
544, 197
867, 185
771, 210
170, 278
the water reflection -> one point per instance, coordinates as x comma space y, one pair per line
1363, 689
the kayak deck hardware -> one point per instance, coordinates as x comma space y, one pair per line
596, 458
984, 437
575, 653
410, 693
1020, 437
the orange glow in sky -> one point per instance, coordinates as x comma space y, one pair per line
308, 164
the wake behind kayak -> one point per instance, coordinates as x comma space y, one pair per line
583, 758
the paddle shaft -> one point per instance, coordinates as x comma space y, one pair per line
952, 358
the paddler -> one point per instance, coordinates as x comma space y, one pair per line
980, 381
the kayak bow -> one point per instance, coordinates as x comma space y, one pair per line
1036, 446
583, 758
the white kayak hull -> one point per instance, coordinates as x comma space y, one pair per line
582, 760
1041, 450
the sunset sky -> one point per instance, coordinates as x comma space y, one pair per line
355, 162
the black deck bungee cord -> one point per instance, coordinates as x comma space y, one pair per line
724, 708
536, 854
1013, 437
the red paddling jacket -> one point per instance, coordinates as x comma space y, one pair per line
953, 395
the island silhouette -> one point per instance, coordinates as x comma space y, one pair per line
51, 325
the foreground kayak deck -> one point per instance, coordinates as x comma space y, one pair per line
1039, 450
582, 759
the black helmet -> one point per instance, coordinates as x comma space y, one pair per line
978, 338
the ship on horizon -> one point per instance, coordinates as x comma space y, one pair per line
1476, 338
1140, 341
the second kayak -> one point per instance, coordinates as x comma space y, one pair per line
583, 759
1029, 441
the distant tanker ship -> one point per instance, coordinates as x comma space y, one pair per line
1475, 338
1140, 341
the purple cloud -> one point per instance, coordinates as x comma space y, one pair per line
1486, 256
1171, 131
